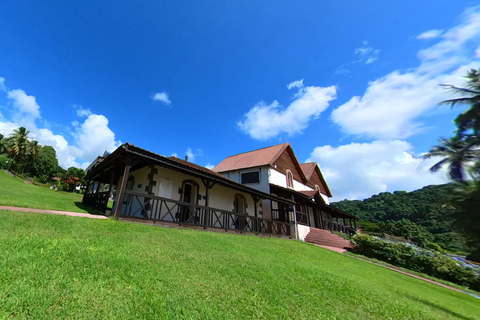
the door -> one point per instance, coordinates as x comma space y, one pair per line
240, 207
189, 195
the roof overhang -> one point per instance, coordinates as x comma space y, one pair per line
141, 157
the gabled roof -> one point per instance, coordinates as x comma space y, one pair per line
309, 168
255, 158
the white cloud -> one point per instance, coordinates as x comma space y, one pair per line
391, 105
295, 84
430, 34
26, 105
366, 54
91, 138
477, 52
266, 121
174, 155
162, 97
2, 84
359, 170
82, 112
209, 166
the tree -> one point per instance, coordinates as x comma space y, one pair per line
17, 144
32, 152
46, 164
470, 96
3, 144
408, 230
458, 154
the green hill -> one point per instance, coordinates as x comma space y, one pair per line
58, 267
428, 207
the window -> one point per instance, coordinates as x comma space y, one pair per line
250, 177
317, 188
289, 179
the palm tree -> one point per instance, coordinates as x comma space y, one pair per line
458, 153
32, 151
470, 95
3, 144
17, 143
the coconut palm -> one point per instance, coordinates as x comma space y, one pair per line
32, 152
17, 144
3, 144
470, 95
459, 154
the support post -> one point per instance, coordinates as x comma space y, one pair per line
208, 185
86, 190
121, 195
105, 206
255, 200
295, 218
355, 224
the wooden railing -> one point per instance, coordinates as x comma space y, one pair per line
97, 200
149, 207
333, 226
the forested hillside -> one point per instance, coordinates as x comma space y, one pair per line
428, 207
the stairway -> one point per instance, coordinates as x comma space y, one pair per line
326, 238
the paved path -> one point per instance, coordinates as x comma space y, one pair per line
65, 213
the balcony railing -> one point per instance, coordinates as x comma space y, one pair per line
149, 207
333, 226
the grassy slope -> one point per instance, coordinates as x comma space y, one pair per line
64, 267
16, 193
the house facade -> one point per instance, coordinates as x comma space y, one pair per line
277, 171
169, 190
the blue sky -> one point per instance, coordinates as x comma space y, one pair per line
212, 79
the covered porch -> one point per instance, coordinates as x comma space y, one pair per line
311, 210
197, 196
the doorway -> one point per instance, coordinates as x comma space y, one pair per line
188, 213
240, 207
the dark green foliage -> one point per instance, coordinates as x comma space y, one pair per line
429, 262
430, 207
45, 165
407, 229
3, 161
474, 256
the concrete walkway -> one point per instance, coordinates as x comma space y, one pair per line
65, 213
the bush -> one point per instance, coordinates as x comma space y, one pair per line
3, 161
414, 258
474, 256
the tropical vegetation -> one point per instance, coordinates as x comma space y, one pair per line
24, 156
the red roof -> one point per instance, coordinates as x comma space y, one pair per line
308, 169
255, 158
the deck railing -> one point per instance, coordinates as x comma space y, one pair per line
149, 207
97, 200
333, 226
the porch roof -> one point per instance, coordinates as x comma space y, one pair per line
104, 170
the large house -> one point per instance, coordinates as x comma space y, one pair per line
277, 171
244, 198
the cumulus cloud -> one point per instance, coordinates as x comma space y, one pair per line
192, 155
90, 138
162, 97
391, 105
359, 170
209, 166
430, 34
266, 121
82, 112
295, 84
2, 84
25, 105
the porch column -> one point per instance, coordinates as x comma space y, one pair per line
255, 200
208, 185
105, 206
86, 190
121, 195
355, 224
295, 218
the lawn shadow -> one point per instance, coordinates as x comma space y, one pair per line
89, 209
438, 307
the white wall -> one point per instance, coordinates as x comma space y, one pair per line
264, 180
220, 197
302, 232
280, 179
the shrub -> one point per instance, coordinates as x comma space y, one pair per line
3, 161
414, 258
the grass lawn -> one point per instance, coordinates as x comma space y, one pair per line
65, 267
16, 193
